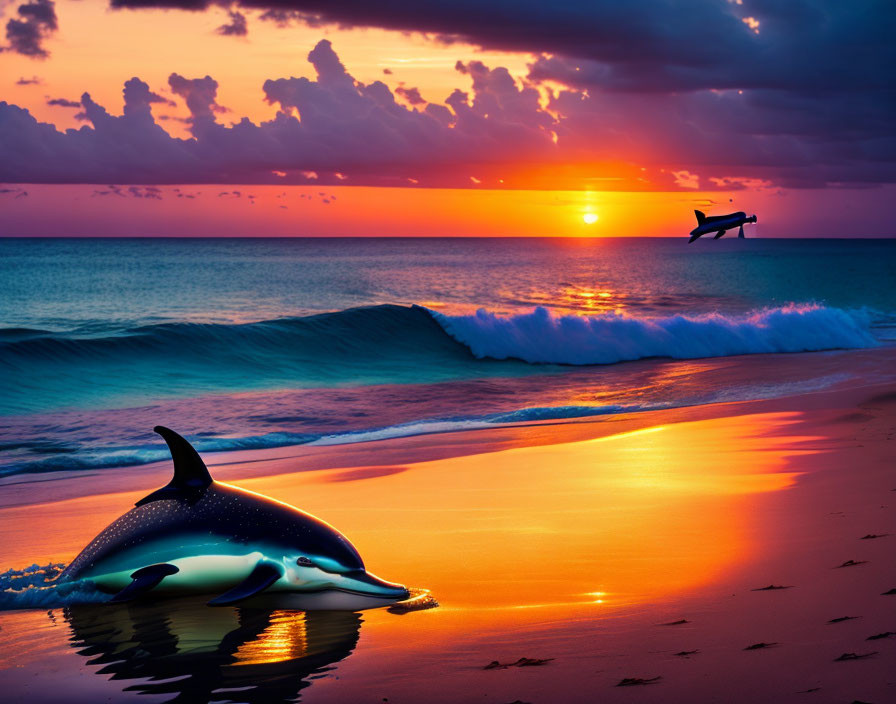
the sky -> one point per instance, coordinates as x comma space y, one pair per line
475, 117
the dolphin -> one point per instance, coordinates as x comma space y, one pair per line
199, 536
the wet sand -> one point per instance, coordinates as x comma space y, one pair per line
625, 548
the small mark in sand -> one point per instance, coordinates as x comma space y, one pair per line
872, 536
634, 681
892, 591
760, 646
851, 563
522, 662
365, 473
771, 587
675, 623
809, 691
842, 618
855, 656
885, 634
686, 653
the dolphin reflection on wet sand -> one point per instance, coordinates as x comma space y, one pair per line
182, 648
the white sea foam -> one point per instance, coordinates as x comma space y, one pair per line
543, 337
33, 588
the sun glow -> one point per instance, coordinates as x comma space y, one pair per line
589, 218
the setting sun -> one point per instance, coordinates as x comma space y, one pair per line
589, 218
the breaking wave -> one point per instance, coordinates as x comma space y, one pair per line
542, 337
385, 344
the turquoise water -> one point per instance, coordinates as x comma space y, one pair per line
277, 341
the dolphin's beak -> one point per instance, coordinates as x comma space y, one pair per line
380, 588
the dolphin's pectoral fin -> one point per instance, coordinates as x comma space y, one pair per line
145, 579
263, 576
721, 232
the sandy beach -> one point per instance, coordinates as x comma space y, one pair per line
629, 549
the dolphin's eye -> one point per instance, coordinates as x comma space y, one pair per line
304, 562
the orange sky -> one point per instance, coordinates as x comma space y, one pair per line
417, 212
97, 49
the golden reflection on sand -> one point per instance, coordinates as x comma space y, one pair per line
590, 524
284, 639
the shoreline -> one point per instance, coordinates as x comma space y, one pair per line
237, 465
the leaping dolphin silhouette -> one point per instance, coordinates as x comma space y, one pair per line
199, 536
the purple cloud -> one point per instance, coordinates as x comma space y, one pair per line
335, 129
237, 27
412, 95
63, 102
25, 34
147, 192
200, 96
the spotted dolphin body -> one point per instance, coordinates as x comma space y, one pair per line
199, 536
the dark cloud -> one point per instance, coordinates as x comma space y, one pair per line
412, 95
284, 17
35, 22
200, 95
726, 92
33, 81
815, 74
138, 97
147, 192
109, 191
335, 129
800, 43
63, 102
237, 27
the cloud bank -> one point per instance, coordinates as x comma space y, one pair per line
569, 125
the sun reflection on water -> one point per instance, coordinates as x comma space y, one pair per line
285, 639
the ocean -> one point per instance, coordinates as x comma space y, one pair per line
251, 343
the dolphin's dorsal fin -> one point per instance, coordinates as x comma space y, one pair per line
190, 473
701, 218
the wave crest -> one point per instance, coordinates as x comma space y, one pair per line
543, 337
